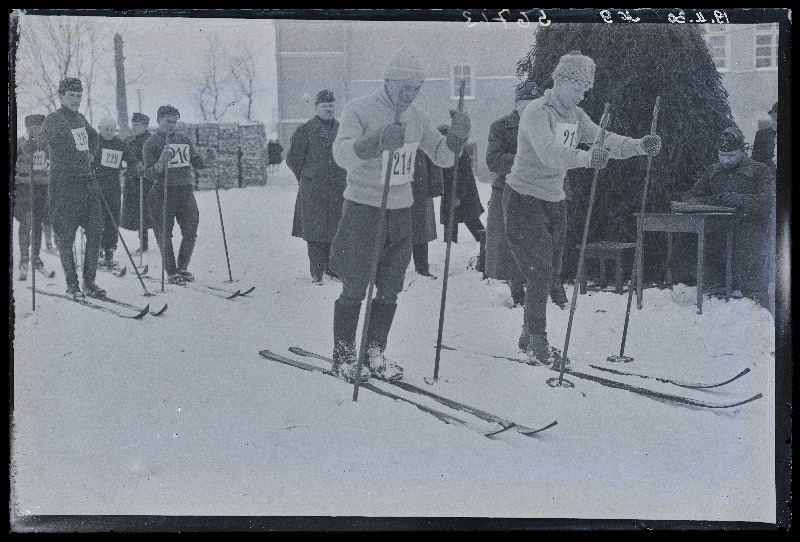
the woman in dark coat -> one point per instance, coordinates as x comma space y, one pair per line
468, 208
427, 185
318, 208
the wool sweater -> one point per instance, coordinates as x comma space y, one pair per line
109, 156
71, 141
365, 178
184, 154
547, 143
41, 162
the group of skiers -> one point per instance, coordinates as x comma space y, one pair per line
343, 167
76, 177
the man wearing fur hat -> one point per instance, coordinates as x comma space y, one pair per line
367, 132
171, 153
550, 129
73, 199
739, 181
30, 151
319, 197
131, 191
108, 158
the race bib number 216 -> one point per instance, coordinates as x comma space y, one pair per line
179, 155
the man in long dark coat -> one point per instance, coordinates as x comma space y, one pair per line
130, 195
427, 184
322, 183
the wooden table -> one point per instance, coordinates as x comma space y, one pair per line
602, 251
686, 223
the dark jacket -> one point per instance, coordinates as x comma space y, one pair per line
108, 158
129, 217
427, 184
322, 182
71, 141
466, 192
184, 155
41, 163
764, 147
502, 147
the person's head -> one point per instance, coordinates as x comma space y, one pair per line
773, 114
70, 91
403, 77
730, 147
107, 128
139, 123
325, 104
525, 93
572, 78
33, 124
167, 118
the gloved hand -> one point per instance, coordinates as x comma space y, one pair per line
732, 199
459, 124
164, 159
651, 144
138, 168
599, 158
392, 137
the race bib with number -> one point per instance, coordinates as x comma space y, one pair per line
566, 134
40, 161
81, 139
403, 161
111, 158
179, 155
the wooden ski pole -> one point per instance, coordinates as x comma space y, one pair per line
119, 234
222, 222
449, 236
142, 231
600, 141
31, 263
164, 219
638, 250
376, 253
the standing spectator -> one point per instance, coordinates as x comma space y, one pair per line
500, 153
29, 149
765, 144
368, 129
175, 159
108, 158
130, 195
468, 208
73, 198
319, 197
550, 130
427, 184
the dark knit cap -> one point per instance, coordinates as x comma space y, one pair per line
731, 139
139, 117
527, 90
167, 110
324, 96
70, 84
34, 120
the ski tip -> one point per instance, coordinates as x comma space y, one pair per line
51, 274
122, 272
536, 431
249, 291
144, 270
235, 294
160, 312
143, 312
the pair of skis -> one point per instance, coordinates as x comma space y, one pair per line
216, 291
646, 392
498, 425
110, 305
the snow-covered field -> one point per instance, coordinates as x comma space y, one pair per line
179, 415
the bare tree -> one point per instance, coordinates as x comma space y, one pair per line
245, 76
216, 90
52, 48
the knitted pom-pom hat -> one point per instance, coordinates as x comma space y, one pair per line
575, 68
405, 64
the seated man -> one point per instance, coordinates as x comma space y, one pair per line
749, 186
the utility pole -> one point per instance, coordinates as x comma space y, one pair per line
122, 100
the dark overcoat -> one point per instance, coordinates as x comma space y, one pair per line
322, 182
427, 185
129, 217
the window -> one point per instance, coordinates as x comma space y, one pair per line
719, 45
464, 73
766, 46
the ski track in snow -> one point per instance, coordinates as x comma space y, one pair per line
179, 415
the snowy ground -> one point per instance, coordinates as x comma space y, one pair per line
179, 415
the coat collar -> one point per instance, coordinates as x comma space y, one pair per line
512, 120
321, 127
745, 167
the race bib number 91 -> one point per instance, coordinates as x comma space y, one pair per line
39, 161
111, 158
179, 155
81, 139
402, 165
566, 134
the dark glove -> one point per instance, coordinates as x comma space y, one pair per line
732, 199
459, 124
599, 158
651, 144
393, 137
